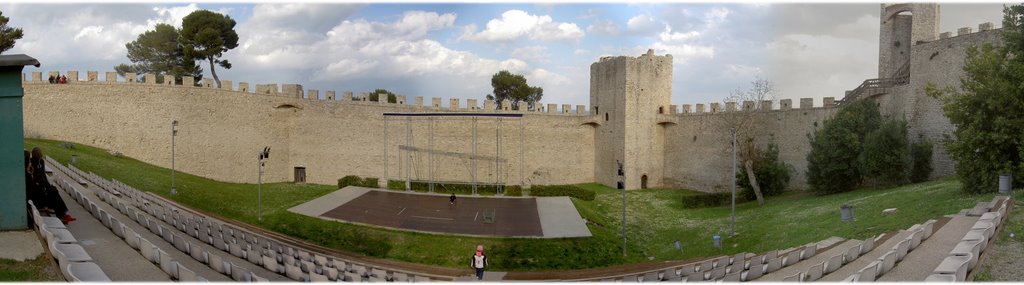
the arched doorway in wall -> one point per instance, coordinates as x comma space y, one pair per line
643, 181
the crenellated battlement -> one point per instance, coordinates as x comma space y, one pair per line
748, 106
963, 31
330, 96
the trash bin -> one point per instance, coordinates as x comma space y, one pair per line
846, 213
1005, 183
716, 241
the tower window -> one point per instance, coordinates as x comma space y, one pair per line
606, 117
661, 109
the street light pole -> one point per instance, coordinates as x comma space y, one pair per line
174, 133
262, 157
622, 185
733, 131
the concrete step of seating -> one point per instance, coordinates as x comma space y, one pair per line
919, 263
865, 259
802, 266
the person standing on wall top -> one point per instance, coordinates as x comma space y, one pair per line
479, 262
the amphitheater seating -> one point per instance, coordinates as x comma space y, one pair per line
815, 272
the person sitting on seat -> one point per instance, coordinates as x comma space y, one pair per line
41, 192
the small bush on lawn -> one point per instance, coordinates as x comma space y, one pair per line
513, 190
884, 156
562, 190
710, 200
921, 160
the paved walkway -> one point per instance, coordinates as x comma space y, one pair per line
559, 218
20, 245
319, 206
922, 261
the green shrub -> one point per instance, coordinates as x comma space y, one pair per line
710, 200
884, 157
921, 160
513, 190
832, 162
562, 190
462, 189
772, 174
353, 180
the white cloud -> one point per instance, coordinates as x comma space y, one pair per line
683, 52
517, 24
716, 16
820, 65
643, 25
603, 27
669, 36
537, 54
740, 71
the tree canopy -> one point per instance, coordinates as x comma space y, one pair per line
513, 87
832, 165
158, 51
375, 95
206, 35
8, 35
987, 110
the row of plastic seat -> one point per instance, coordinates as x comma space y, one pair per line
74, 262
963, 258
152, 253
243, 244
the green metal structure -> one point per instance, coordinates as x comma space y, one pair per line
13, 204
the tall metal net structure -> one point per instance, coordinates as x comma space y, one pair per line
433, 151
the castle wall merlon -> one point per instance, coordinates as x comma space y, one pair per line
227, 85
552, 108
806, 103
488, 104
963, 31
243, 86
471, 105
715, 108
37, 76
581, 110
347, 96
93, 76
260, 88
453, 104
435, 102
332, 96
748, 105
766, 104
986, 26
730, 106
418, 102
523, 106
313, 94
400, 99
72, 76
506, 105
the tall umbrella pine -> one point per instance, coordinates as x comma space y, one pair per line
206, 35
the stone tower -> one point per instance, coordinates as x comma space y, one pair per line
902, 26
628, 94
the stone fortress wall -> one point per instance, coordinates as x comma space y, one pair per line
631, 118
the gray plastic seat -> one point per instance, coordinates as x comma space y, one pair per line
186, 275
833, 263
796, 277
197, 252
57, 235
753, 273
815, 272
313, 277
851, 254
293, 272
236, 250
970, 248
956, 265
773, 265
217, 263
901, 249
148, 250
131, 237
69, 252
940, 277
733, 277
791, 258
181, 244
167, 263
915, 239
84, 272
887, 262
868, 273
239, 273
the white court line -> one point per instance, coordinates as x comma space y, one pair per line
434, 218
400, 212
475, 216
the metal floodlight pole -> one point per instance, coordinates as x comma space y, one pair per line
733, 131
259, 183
174, 133
622, 181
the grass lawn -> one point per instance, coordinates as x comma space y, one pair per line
41, 268
655, 218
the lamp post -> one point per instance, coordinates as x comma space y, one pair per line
622, 186
263, 156
733, 131
174, 133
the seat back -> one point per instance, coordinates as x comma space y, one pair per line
851, 254
815, 272
833, 263
869, 272
792, 257
773, 265
888, 261
754, 272
867, 245
901, 249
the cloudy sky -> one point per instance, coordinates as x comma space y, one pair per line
451, 50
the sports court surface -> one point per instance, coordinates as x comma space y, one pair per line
546, 217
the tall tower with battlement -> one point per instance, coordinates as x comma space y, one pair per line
902, 26
629, 95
